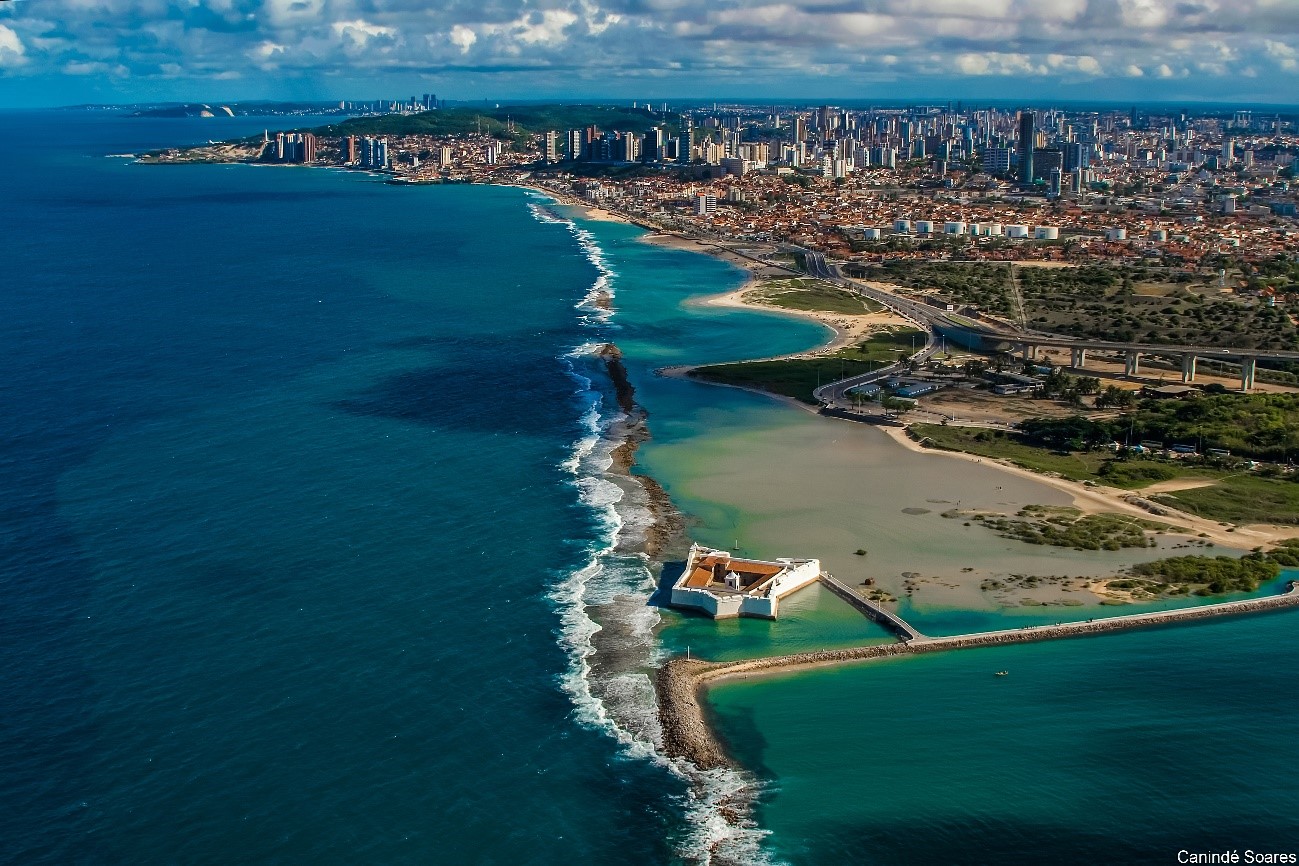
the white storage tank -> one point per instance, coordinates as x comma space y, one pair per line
954, 228
1047, 233
1116, 234
901, 227
924, 227
1158, 235
871, 234
994, 230
1016, 231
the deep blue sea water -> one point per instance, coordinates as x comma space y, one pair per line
283, 508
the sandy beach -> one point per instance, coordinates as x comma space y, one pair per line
848, 329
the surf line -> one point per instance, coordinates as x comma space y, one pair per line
680, 682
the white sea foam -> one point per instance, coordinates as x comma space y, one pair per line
616, 696
603, 287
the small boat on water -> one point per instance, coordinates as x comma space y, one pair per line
1003, 673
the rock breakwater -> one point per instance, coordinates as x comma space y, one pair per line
679, 682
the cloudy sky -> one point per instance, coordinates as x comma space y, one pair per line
68, 51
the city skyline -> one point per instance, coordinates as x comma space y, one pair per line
61, 51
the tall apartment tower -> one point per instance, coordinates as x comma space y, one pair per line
654, 144
686, 146
552, 147
349, 150
1027, 137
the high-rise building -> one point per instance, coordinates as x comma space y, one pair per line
1076, 155
551, 150
654, 145
575, 144
1026, 142
349, 150
445, 157
705, 204
800, 129
1053, 184
996, 160
1045, 160
295, 147
374, 153
1228, 151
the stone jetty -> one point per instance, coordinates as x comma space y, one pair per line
679, 682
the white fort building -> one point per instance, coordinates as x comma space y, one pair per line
723, 586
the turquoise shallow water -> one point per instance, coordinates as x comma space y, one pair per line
1124, 749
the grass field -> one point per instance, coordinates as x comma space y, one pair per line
813, 296
799, 377
1232, 498
1241, 499
1080, 466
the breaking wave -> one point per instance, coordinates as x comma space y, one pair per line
607, 628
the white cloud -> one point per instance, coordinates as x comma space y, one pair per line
12, 51
463, 38
1285, 56
797, 45
359, 32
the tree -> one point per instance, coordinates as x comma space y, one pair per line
1089, 385
897, 405
1113, 395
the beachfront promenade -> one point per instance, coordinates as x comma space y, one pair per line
679, 681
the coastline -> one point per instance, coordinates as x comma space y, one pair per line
667, 531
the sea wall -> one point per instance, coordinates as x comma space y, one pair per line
679, 682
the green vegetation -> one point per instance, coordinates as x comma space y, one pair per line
526, 120
813, 295
1067, 527
1241, 499
799, 377
1258, 426
1064, 446
1213, 574
985, 286
1150, 306
1014, 447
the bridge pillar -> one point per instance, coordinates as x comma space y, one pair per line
1188, 369
1132, 363
1078, 358
1247, 373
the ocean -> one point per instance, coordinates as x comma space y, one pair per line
310, 554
